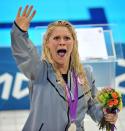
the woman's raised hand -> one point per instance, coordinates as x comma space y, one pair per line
23, 20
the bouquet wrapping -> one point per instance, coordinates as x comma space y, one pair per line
111, 101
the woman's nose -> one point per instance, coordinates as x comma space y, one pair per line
62, 42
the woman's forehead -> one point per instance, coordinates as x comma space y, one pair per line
60, 30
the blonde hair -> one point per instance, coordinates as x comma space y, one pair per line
75, 61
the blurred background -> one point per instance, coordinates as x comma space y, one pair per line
108, 14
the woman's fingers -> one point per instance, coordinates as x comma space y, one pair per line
112, 118
25, 10
29, 11
32, 15
19, 11
26, 13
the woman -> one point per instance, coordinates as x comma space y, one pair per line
62, 91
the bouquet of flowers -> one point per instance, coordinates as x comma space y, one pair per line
111, 100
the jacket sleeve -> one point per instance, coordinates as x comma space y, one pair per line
94, 109
24, 53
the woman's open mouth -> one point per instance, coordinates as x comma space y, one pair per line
61, 52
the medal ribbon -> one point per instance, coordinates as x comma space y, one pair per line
72, 98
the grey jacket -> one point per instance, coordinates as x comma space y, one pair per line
49, 110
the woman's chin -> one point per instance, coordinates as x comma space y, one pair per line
61, 62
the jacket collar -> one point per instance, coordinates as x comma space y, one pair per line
51, 77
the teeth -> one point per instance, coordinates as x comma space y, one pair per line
61, 54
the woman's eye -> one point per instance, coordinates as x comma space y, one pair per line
56, 38
67, 38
